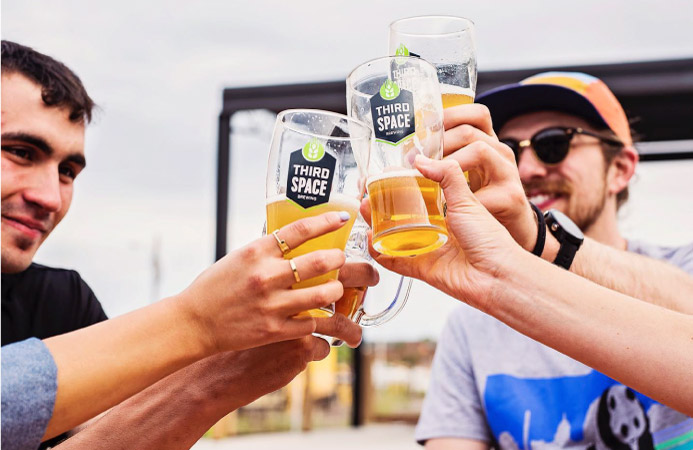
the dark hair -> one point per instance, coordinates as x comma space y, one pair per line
60, 86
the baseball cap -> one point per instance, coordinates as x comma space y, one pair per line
574, 93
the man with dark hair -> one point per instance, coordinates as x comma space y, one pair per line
44, 112
45, 109
566, 139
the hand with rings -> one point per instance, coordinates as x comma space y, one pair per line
245, 300
285, 249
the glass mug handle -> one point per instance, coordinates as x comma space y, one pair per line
373, 320
357, 249
364, 319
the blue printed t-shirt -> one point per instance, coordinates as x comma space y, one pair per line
492, 384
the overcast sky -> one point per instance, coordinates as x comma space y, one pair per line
157, 70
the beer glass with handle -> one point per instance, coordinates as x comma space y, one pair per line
317, 163
352, 303
399, 97
446, 42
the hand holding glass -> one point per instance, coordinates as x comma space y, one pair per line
399, 97
318, 163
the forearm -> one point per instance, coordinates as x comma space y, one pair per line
173, 414
629, 340
102, 365
635, 275
176, 411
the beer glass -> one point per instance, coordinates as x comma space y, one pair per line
317, 163
446, 42
352, 302
399, 97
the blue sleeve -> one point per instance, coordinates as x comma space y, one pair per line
452, 407
29, 384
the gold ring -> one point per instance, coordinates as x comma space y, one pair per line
281, 243
295, 270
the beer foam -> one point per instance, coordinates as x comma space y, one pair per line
345, 202
451, 89
397, 173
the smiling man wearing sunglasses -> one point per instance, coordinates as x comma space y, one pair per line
581, 152
563, 142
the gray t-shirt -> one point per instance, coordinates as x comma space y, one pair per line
492, 384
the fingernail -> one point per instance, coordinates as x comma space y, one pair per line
344, 216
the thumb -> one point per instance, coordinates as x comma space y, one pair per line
448, 173
320, 348
341, 327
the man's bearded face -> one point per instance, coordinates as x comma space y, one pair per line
577, 185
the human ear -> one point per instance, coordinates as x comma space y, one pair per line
622, 169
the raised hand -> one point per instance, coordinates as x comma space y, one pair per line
466, 265
246, 300
494, 178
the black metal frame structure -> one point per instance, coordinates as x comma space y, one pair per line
658, 95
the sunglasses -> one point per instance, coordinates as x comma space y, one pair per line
551, 145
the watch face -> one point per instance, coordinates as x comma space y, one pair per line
567, 224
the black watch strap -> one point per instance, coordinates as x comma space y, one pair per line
566, 254
568, 235
541, 231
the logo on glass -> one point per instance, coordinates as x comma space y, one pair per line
402, 50
311, 171
389, 90
313, 150
392, 111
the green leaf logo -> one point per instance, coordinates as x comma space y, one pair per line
313, 150
402, 51
389, 90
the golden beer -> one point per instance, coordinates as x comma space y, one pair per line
351, 301
455, 95
282, 211
407, 212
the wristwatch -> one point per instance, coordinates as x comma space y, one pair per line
567, 234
